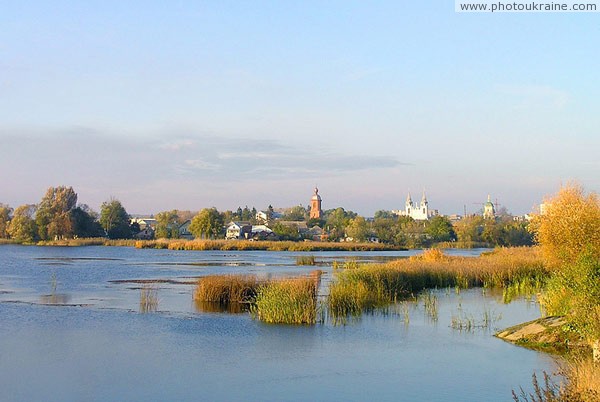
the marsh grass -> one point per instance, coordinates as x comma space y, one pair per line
287, 301
581, 383
430, 303
306, 260
149, 298
226, 289
237, 245
372, 285
462, 321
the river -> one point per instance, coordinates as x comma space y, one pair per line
72, 330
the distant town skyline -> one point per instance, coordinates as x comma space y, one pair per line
192, 105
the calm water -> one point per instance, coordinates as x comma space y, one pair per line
94, 344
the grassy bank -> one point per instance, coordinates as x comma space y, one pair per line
374, 285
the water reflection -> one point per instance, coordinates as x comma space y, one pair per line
55, 299
217, 307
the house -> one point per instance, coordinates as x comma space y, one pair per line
298, 226
316, 233
184, 230
145, 234
263, 216
238, 230
144, 222
262, 232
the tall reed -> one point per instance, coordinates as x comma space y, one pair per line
225, 289
287, 301
149, 298
371, 285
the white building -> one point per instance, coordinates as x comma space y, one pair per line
419, 212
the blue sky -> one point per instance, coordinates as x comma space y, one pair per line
190, 104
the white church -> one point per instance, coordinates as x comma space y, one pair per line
419, 212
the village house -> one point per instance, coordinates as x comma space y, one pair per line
184, 230
238, 230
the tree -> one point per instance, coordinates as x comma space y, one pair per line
286, 232
469, 229
207, 224
382, 214
167, 225
516, 234
297, 213
53, 217
22, 226
115, 220
440, 229
5, 215
358, 229
569, 226
85, 222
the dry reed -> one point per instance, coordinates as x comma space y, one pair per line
371, 285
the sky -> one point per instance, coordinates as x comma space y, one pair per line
193, 104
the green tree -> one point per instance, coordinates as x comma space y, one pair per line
85, 222
167, 225
53, 217
469, 229
208, 223
389, 229
358, 229
515, 234
440, 229
115, 220
297, 213
5, 216
336, 221
285, 232
382, 214
22, 226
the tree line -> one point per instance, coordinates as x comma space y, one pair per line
58, 216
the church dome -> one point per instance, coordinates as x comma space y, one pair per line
316, 196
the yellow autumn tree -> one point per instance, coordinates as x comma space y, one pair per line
568, 226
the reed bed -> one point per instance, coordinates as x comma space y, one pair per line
371, 286
88, 241
239, 245
287, 301
227, 289
306, 260
581, 384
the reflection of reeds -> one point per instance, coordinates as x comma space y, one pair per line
463, 322
149, 298
216, 307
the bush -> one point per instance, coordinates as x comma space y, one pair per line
569, 227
